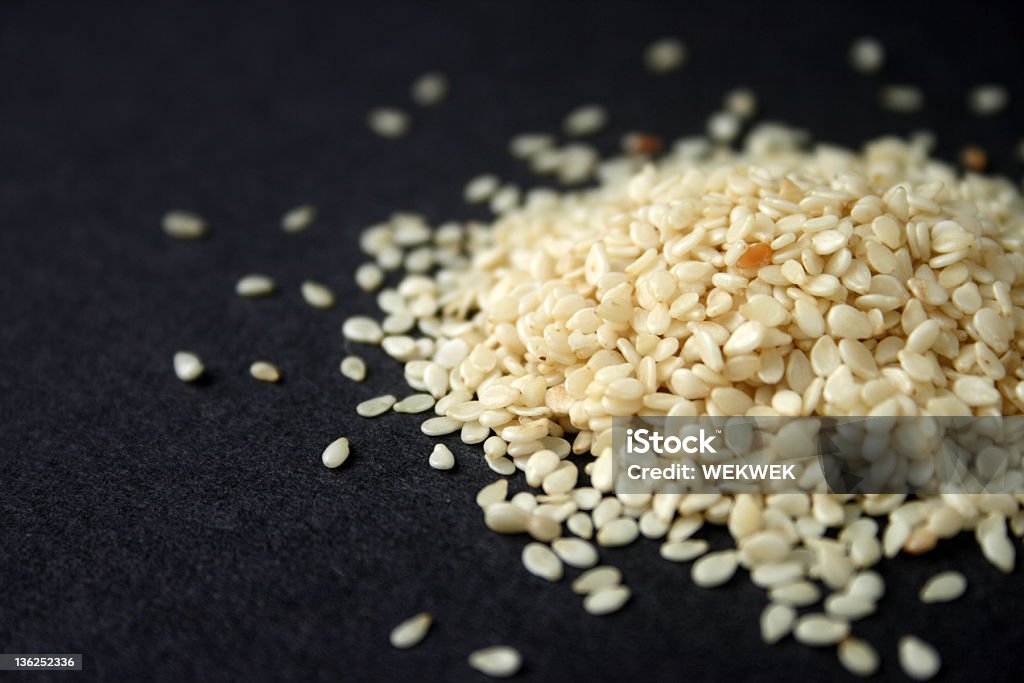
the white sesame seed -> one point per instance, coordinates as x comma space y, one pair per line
585, 120
354, 368
596, 579
943, 587
317, 295
362, 330
184, 225
540, 561
919, 660
819, 630
411, 631
849, 607
724, 126
505, 199
264, 371
799, 594
776, 622
498, 661
988, 99
369, 277
254, 285
429, 89
481, 188
506, 518
388, 122
529, 145
441, 458
187, 366
575, 552
492, 493
858, 657
606, 600
416, 403
336, 453
742, 102
665, 55
298, 219
714, 569
902, 99
502, 466
683, 551
375, 406
867, 55
620, 532
579, 523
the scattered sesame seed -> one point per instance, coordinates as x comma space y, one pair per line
480, 188
411, 631
497, 661
375, 406
988, 99
298, 219
187, 366
184, 225
264, 371
901, 99
441, 458
665, 55
919, 660
585, 120
943, 587
255, 285
742, 102
606, 600
867, 55
429, 89
388, 122
336, 453
354, 368
317, 295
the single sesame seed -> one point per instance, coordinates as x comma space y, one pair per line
264, 371
441, 458
388, 122
867, 55
585, 120
317, 295
187, 366
184, 225
606, 600
497, 661
858, 657
430, 89
255, 285
411, 631
988, 99
336, 453
298, 219
375, 406
596, 579
354, 368
919, 660
665, 55
540, 561
943, 587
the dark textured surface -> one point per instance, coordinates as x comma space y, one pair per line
177, 532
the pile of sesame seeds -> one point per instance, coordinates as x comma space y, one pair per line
878, 284
775, 280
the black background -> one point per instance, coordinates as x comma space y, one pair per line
177, 532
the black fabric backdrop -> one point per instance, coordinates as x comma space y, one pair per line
174, 532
